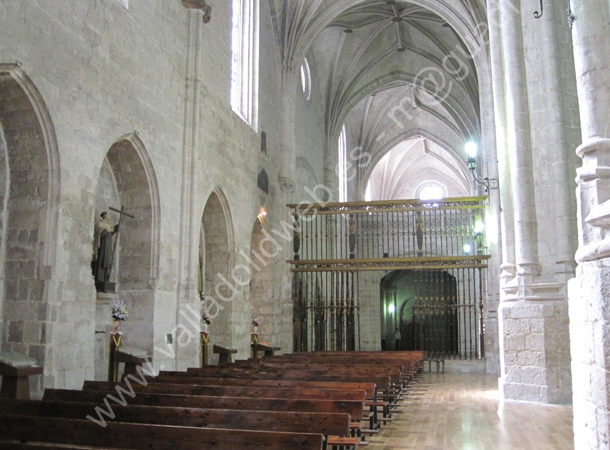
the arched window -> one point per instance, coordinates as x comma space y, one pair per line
430, 191
244, 64
306, 79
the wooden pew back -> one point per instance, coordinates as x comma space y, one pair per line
140, 436
323, 423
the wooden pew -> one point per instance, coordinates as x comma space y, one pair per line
322, 423
235, 391
14, 445
280, 368
351, 407
132, 357
267, 350
15, 371
184, 377
382, 382
224, 354
28, 429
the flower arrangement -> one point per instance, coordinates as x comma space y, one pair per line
255, 322
206, 318
119, 310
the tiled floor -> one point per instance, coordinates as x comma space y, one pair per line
464, 411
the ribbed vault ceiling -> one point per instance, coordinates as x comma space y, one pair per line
390, 70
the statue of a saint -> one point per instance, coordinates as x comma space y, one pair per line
103, 248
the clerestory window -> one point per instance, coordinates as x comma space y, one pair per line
244, 64
342, 172
306, 79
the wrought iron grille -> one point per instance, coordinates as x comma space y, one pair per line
434, 241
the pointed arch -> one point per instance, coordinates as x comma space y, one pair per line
150, 187
29, 107
30, 182
216, 253
136, 265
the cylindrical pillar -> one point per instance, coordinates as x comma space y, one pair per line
589, 319
518, 139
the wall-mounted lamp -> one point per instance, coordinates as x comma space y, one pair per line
479, 237
480, 240
391, 308
489, 183
262, 214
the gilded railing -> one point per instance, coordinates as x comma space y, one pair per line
440, 240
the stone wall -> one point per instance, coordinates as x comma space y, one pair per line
104, 70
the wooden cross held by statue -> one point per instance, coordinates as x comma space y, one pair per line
121, 214
106, 285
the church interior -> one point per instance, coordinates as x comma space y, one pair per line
403, 177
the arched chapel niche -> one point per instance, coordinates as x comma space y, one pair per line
29, 184
127, 180
262, 251
423, 305
215, 250
107, 196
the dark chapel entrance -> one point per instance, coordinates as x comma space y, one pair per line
434, 310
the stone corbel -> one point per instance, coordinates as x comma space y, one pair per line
199, 4
287, 184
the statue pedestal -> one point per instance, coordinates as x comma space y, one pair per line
205, 340
105, 286
115, 343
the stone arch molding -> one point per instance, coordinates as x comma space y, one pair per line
224, 203
29, 217
14, 79
218, 198
129, 150
216, 253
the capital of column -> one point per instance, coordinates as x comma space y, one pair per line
595, 153
199, 4
593, 179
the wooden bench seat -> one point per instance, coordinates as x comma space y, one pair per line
236, 391
29, 429
268, 350
191, 378
15, 370
351, 407
225, 354
16, 445
382, 382
335, 424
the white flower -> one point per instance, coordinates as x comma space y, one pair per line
119, 310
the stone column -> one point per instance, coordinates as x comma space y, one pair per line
519, 145
499, 94
287, 182
187, 293
588, 296
535, 364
